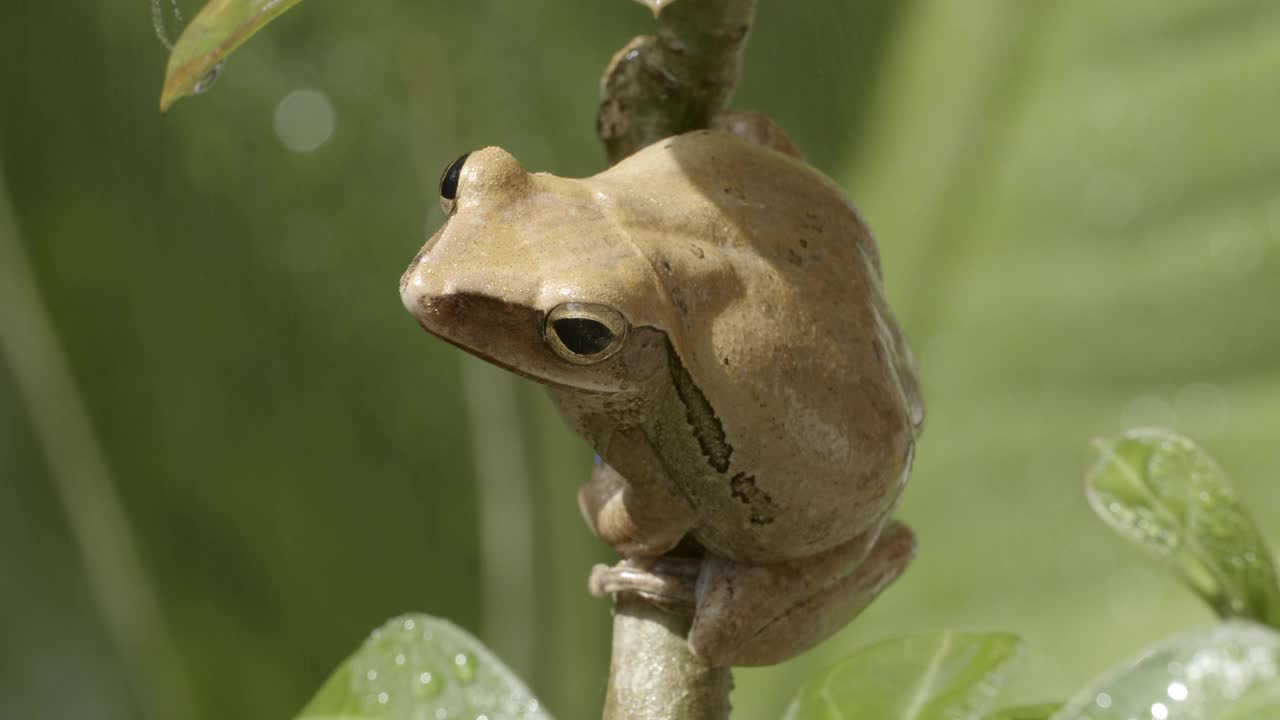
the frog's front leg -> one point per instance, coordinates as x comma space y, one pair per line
637, 520
765, 614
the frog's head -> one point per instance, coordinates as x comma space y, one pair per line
536, 274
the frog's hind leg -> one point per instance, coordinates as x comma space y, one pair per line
764, 614
756, 128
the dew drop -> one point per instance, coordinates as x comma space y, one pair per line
211, 77
463, 667
428, 685
383, 698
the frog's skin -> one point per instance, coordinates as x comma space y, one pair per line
756, 403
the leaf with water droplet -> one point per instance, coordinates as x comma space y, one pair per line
220, 27
417, 666
1163, 492
1227, 672
934, 676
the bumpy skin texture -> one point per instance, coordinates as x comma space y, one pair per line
763, 405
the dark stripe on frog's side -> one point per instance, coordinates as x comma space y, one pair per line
744, 489
709, 433
701, 416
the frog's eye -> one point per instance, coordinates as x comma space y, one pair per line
449, 184
585, 333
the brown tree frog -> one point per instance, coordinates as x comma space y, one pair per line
708, 314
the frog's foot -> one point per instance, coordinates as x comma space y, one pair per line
761, 615
668, 582
756, 128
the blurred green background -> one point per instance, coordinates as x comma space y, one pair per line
1078, 205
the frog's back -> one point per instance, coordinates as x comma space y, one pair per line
781, 320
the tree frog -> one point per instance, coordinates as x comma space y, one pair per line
708, 315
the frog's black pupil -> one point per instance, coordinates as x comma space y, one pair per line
449, 181
583, 336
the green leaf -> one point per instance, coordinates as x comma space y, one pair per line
1227, 672
1163, 492
220, 27
417, 667
919, 677
1043, 711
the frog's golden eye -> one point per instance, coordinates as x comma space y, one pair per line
585, 333
449, 184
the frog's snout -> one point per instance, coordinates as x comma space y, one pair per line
417, 291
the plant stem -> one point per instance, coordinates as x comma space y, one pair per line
676, 81
654, 674
656, 87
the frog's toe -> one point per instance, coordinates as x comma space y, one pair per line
666, 582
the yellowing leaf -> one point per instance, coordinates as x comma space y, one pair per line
220, 27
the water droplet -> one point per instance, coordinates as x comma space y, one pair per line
441, 713
428, 685
410, 624
400, 659
372, 675
1159, 711
1177, 691
211, 77
463, 667
383, 698
1103, 700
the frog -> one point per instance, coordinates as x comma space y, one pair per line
709, 315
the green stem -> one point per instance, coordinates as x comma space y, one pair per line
656, 87
654, 674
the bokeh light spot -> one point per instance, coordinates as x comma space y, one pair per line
305, 120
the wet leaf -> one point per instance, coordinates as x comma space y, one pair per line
220, 27
1043, 711
417, 666
1167, 495
1227, 672
933, 676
